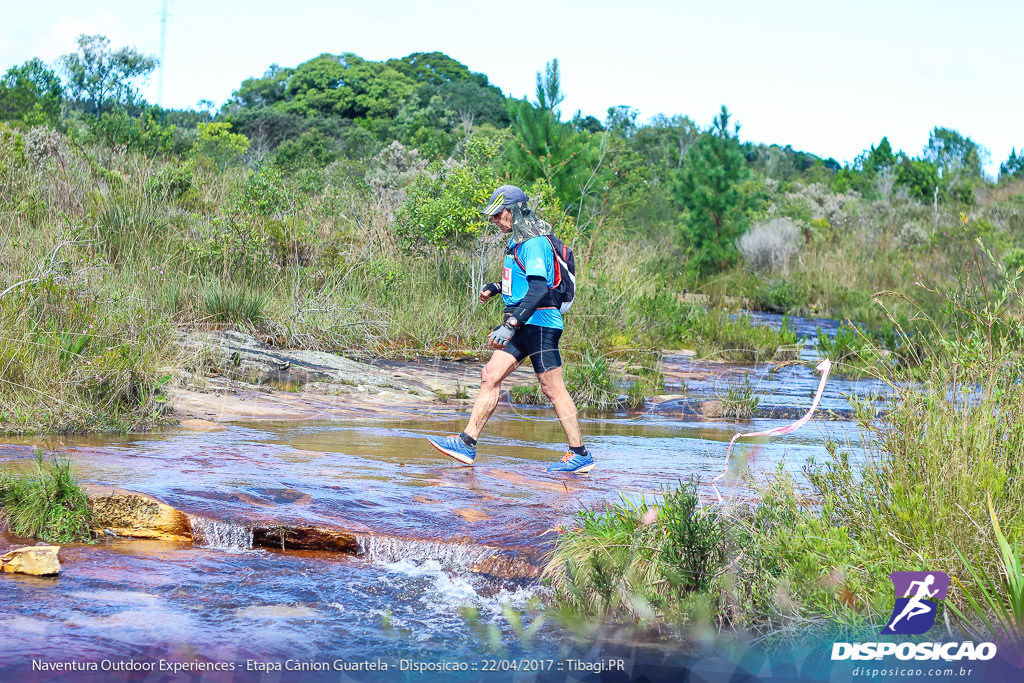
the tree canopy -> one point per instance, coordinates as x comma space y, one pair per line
31, 93
101, 77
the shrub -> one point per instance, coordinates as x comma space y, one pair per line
143, 133
739, 401
216, 141
636, 560
781, 295
174, 182
911, 234
1014, 259
768, 246
42, 144
46, 504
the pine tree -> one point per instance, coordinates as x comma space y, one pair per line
542, 146
1013, 166
708, 188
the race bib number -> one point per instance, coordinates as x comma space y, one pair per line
506, 281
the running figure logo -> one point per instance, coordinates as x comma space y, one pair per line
917, 599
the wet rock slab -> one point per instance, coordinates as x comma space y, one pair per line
243, 378
291, 537
137, 515
243, 357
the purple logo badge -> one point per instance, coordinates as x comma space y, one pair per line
917, 599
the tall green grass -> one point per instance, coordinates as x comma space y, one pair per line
938, 488
993, 600
45, 503
638, 560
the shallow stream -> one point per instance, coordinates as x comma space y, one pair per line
423, 521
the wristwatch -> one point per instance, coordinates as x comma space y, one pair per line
511, 322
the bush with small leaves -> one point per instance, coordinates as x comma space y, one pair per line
768, 246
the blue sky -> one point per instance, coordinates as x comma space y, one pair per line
826, 77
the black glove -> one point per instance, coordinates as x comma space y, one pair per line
492, 288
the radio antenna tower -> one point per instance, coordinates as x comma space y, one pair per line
163, 53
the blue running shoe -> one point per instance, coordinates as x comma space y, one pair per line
571, 462
453, 446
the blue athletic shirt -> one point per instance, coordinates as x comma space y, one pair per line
539, 259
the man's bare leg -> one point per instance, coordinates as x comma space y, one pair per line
494, 373
553, 386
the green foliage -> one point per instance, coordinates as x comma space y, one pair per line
1013, 166
174, 182
347, 86
74, 363
144, 133
256, 93
622, 120
739, 401
127, 226
920, 178
312, 149
216, 141
1014, 259
638, 561
442, 206
544, 148
46, 504
956, 156
1001, 607
593, 383
101, 78
526, 394
663, 144
432, 68
780, 295
735, 337
878, 159
708, 188
12, 155
31, 93
259, 234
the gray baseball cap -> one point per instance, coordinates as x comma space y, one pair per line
502, 198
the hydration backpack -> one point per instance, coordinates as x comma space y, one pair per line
563, 292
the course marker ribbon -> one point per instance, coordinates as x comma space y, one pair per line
824, 366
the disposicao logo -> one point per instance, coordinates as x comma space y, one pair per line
917, 599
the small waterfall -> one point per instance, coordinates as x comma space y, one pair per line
448, 555
215, 533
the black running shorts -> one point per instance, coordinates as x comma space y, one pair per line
539, 344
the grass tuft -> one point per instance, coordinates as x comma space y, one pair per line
231, 304
637, 560
46, 503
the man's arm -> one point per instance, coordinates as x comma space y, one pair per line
489, 290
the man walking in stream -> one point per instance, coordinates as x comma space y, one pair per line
531, 328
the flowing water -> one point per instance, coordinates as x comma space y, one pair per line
423, 524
